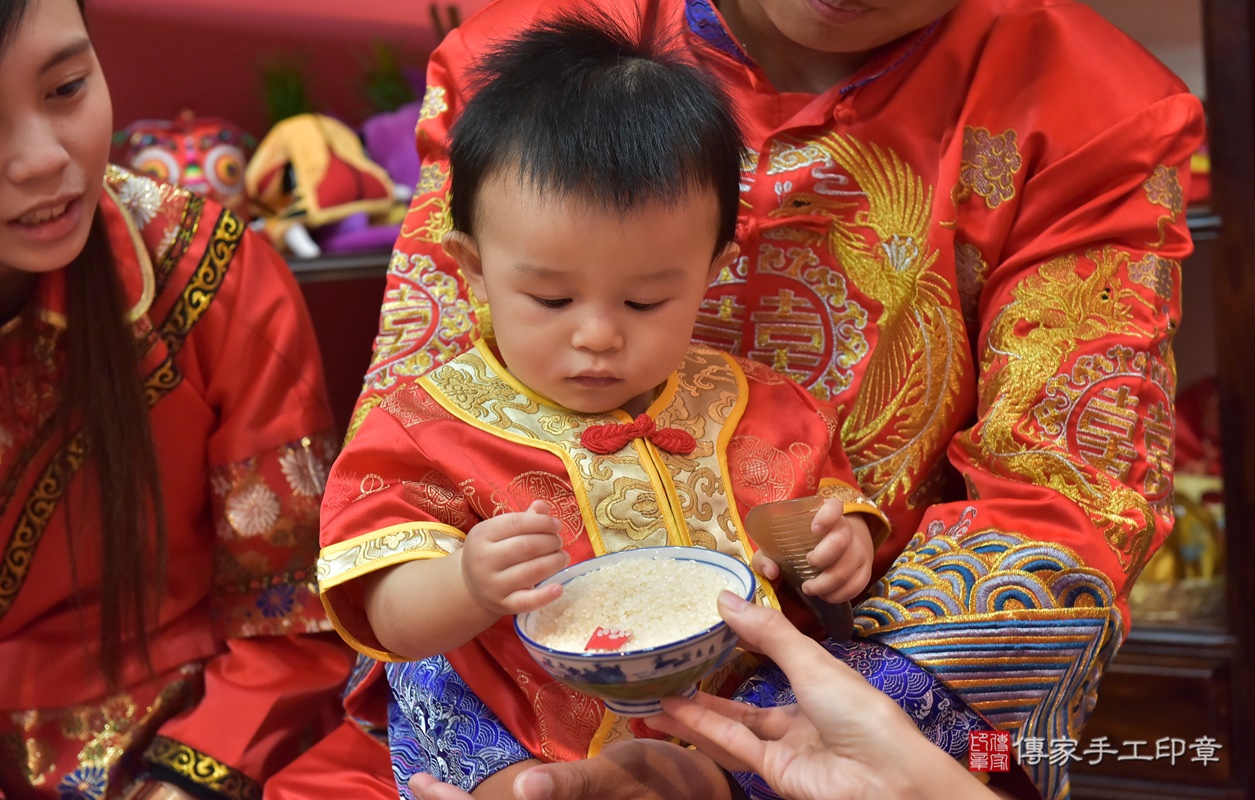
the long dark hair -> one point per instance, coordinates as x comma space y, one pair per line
104, 398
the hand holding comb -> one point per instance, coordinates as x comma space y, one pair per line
782, 531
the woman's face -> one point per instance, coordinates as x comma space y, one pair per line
848, 26
56, 121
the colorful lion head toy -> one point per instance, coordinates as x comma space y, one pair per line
206, 155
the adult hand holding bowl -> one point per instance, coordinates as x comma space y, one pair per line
635, 626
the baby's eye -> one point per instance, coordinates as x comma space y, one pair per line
644, 306
68, 90
552, 302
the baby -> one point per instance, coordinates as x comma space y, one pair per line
594, 195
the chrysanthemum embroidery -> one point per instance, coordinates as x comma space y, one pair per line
84, 783
306, 473
253, 511
277, 601
142, 197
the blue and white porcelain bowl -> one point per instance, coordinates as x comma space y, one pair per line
632, 682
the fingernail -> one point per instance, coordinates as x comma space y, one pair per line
535, 786
732, 602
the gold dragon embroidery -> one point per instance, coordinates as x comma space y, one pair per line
1051, 313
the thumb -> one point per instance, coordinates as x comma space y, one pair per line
568, 780
769, 632
813, 672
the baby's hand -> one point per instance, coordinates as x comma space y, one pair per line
843, 555
506, 556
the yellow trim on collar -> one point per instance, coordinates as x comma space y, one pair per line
147, 276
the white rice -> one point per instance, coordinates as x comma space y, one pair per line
658, 600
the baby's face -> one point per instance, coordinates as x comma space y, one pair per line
591, 308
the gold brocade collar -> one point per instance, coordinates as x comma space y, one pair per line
640, 495
499, 372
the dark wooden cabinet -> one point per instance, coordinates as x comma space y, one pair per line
1186, 682
344, 293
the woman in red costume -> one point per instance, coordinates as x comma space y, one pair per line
164, 438
962, 226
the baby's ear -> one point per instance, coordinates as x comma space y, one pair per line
726, 258
461, 248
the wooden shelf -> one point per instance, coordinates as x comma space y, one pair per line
1204, 223
341, 267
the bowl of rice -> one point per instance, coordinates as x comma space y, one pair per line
636, 626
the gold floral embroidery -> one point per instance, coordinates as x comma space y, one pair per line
971, 271
1156, 273
364, 407
431, 178
989, 167
431, 228
433, 103
91, 747
1163, 189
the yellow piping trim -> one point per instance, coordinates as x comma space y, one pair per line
330, 551
603, 730
149, 282
353, 641
879, 533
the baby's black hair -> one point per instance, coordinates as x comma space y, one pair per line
581, 106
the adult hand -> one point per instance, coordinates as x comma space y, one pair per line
637, 769
425, 787
843, 738
507, 555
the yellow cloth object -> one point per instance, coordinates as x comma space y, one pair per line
312, 169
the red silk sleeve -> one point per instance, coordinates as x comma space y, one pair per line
265, 697
275, 682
